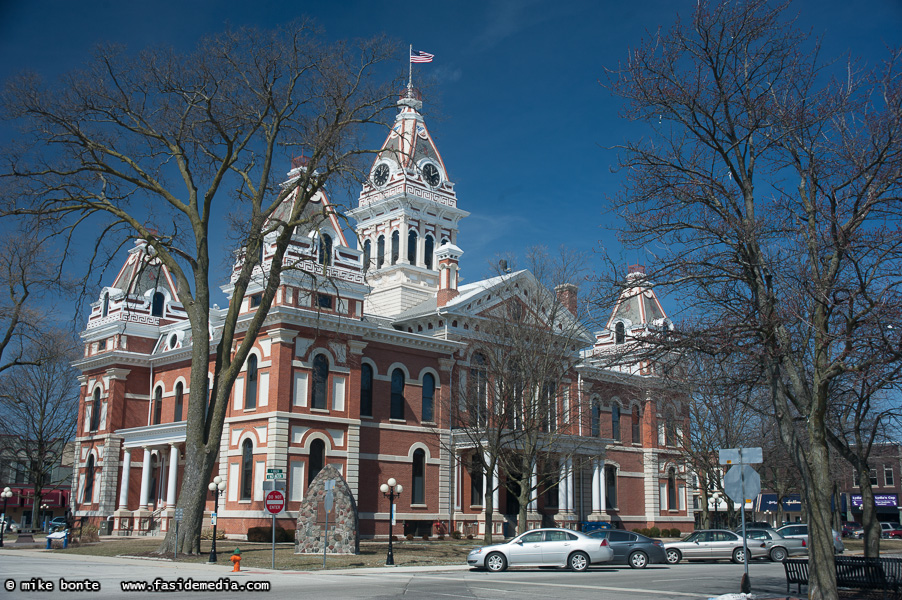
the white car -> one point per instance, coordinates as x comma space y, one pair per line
713, 544
543, 548
800, 531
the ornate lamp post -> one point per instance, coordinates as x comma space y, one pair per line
391, 490
6, 494
216, 488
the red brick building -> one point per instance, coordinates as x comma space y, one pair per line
357, 374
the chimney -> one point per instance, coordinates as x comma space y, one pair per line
567, 295
447, 258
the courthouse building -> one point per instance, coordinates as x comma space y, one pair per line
359, 374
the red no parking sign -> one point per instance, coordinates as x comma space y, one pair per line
275, 502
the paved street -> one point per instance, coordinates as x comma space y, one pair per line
683, 581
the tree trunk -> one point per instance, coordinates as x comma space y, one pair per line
822, 574
489, 509
869, 522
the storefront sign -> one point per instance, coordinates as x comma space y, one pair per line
881, 500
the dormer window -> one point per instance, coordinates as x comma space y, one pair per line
105, 310
325, 250
324, 301
256, 300
156, 305
619, 333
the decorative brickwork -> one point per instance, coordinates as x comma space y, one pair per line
343, 535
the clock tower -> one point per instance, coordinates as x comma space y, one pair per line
406, 211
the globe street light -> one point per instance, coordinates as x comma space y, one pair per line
216, 488
6, 494
391, 490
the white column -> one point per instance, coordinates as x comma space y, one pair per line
534, 494
602, 488
596, 477
173, 475
562, 487
496, 492
123, 488
487, 479
571, 488
144, 499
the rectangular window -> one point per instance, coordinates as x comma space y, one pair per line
256, 300
888, 478
324, 301
874, 477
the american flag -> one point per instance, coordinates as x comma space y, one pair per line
419, 56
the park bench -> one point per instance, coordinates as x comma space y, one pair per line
858, 572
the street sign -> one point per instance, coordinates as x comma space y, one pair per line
329, 501
213, 519
742, 483
275, 474
743, 456
275, 484
179, 513
275, 502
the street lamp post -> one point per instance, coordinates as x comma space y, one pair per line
216, 488
6, 494
391, 490
44, 508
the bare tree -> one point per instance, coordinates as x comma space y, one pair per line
39, 412
764, 192
518, 409
161, 145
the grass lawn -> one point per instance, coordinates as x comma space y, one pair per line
372, 554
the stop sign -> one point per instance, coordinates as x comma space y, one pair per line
275, 502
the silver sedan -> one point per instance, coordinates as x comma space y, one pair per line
543, 548
712, 544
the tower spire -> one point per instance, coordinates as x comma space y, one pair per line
410, 74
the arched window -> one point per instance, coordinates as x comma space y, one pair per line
247, 470
637, 439
397, 394
95, 410
671, 489
89, 481
428, 396
412, 246
317, 459
596, 419
395, 246
367, 254
156, 306
250, 396
157, 406
418, 493
615, 420
619, 333
179, 401
366, 390
479, 377
610, 485
380, 252
670, 429
325, 249
428, 250
320, 381
105, 310
477, 477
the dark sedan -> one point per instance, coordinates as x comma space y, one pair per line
632, 549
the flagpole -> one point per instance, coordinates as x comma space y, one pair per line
410, 75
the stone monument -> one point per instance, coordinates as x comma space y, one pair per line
344, 535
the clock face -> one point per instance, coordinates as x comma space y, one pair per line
430, 173
380, 175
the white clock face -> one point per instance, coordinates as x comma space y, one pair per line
431, 174
380, 175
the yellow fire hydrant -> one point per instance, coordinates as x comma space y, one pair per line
236, 560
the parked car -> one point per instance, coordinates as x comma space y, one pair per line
543, 548
712, 544
755, 525
778, 547
9, 525
800, 531
57, 524
889, 529
633, 549
849, 528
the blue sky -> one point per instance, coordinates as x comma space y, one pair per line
516, 109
